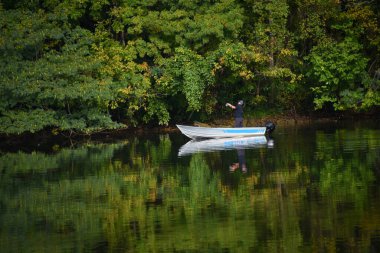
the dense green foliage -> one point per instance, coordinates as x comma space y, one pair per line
91, 65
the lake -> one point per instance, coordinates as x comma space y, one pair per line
307, 188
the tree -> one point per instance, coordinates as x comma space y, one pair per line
49, 77
339, 69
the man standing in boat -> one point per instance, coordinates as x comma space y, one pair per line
238, 113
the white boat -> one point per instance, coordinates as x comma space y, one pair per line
210, 145
194, 132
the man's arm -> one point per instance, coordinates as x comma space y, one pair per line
231, 106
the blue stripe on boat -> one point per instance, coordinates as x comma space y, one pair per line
242, 131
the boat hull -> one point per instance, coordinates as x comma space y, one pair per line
220, 132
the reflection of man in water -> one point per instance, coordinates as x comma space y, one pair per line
241, 163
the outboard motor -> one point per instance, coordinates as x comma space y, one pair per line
270, 127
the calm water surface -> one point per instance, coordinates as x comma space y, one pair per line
312, 188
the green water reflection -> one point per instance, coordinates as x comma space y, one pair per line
315, 190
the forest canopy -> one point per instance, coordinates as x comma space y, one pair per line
85, 66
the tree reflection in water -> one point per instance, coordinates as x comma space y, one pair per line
316, 190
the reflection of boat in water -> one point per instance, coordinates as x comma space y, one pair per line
210, 145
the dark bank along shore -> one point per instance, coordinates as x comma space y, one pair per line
46, 141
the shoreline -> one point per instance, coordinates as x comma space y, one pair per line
44, 140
